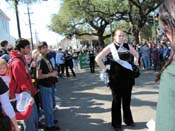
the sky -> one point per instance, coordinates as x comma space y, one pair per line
40, 19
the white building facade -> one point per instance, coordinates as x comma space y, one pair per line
4, 28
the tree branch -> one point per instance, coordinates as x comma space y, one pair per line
134, 3
152, 9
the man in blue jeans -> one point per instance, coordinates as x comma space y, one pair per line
47, 78
145, 53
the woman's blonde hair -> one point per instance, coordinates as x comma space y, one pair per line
4, 62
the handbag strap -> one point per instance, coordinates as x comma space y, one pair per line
117, 59
48, 63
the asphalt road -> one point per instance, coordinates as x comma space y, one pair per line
85, 102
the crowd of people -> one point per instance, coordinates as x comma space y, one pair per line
154, 55
158, 55
118, 70
36, 73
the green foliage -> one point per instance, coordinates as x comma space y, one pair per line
139, 13
69, 19
146, 32
87, 17
84, 16
125, 26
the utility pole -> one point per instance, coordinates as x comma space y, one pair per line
30, 26
17, 17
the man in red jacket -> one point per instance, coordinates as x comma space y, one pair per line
21, 79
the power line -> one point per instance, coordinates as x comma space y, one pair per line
19, 12
10, 4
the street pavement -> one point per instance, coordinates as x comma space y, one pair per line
85, 102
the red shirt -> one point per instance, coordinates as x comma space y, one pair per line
20, 76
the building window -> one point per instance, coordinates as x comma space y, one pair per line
1, 23
4, 25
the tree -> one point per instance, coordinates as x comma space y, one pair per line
93, 17
75, 17
138, 14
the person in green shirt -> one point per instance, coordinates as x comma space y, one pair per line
165, 114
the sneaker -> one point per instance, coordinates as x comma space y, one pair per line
55, 122
131, 124
42, 117
116, 127
40, 129
56, 108
41, 125
53, 128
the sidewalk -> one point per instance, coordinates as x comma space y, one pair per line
85, 102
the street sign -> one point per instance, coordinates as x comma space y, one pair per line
84, 61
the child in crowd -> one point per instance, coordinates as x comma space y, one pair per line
4, 71
6, 78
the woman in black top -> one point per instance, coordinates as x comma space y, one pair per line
120, 79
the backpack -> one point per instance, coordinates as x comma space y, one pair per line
13, 102
10, 64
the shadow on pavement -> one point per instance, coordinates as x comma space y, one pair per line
139, 126
138, 102
81, 103
85, 102
145, 92
147, 79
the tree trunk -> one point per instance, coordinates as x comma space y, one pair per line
101, 38
136, 33
101, 41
